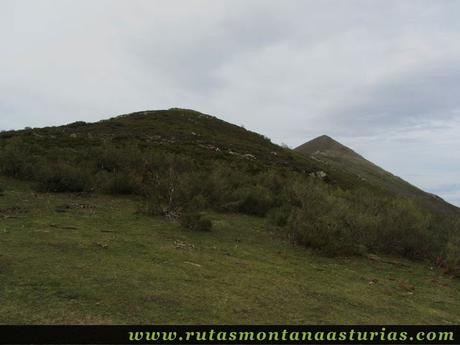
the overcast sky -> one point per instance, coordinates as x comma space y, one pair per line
382, 77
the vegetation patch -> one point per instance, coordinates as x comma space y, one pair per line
195, 222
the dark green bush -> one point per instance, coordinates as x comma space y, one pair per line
195, 222
198, 202
322, 223
338, 222
452, 253
113, 159
404, 229
122, 183
279, 216
220, 186
2, 191
12, 161
254, 200
63, 178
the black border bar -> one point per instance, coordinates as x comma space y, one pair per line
221, 334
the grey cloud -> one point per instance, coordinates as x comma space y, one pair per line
407, 101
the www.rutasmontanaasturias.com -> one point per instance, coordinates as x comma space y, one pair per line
291, 336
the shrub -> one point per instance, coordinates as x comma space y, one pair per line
12, 161
197, 203
63, 178
343, 222
2, 191
106, 158
113, 159
122, 183
403, 229
322, 223
279, 216
254, 200
452, 252
172, 187
221, 184
195, 222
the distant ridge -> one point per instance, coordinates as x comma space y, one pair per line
336, 155
325, 146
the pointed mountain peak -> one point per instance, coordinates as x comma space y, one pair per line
324, 137
324, 144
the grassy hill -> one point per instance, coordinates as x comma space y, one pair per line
201, 137
176, 216
93, 259
175, 130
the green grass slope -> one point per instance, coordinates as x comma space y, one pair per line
95, 260
331, 153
